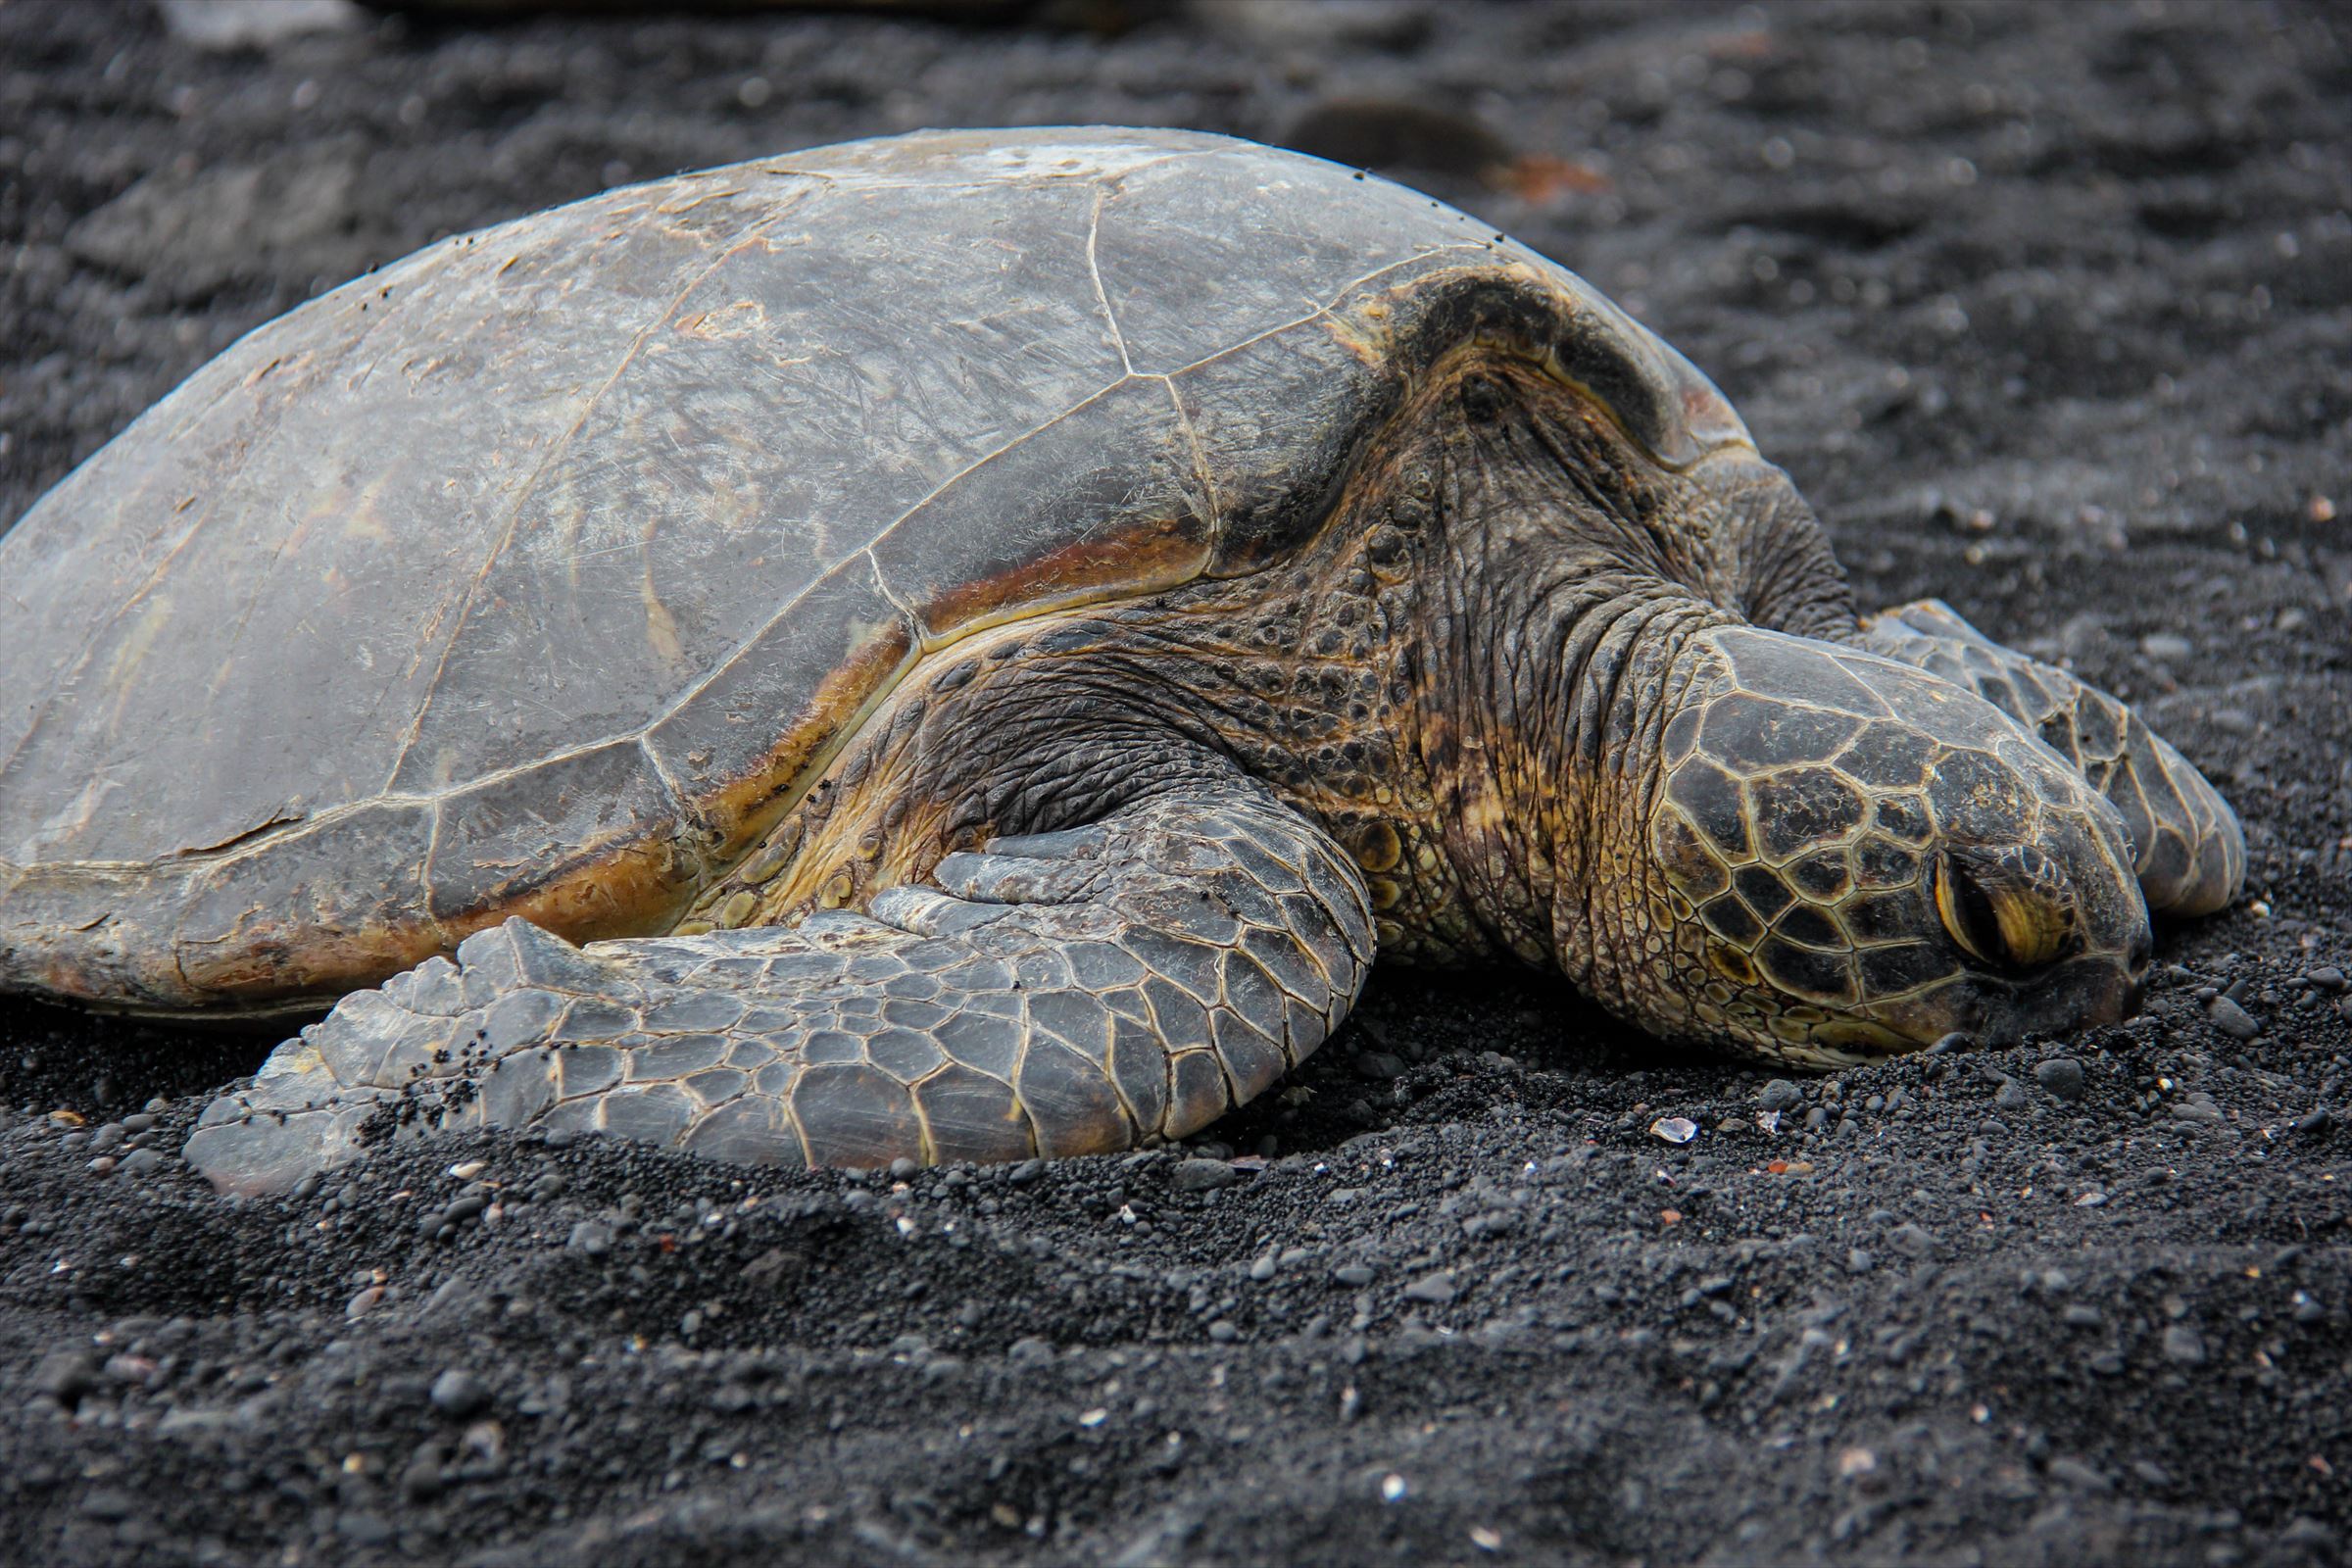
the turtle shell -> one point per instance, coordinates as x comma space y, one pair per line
539, 573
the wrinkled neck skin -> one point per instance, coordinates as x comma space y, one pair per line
1461, 681
1577, 574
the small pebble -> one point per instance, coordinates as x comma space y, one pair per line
1356, 1275
2327, 977
1781, 1094
1914, 1240
1204, 1175
2183, 1344
1263, 1270
460, 1394
2075, 1473
1436, 1289
2231, 1019
66, 1375
2060, 1076
2314, 1121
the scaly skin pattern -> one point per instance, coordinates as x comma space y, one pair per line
1027, 1005
2189, 850
1528, 693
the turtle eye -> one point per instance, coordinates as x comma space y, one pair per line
2002, 915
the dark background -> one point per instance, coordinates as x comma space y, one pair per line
2048, 307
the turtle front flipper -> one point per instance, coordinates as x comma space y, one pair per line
2189, 850
1064, 993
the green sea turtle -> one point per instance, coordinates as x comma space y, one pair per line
967, 645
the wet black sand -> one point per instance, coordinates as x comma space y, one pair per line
2048, 307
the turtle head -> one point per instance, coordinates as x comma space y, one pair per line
1849, 858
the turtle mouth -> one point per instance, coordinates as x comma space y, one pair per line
1994, 1012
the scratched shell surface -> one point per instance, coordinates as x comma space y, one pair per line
548, 564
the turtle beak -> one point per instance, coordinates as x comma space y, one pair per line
2084, 992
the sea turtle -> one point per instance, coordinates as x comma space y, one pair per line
965, 646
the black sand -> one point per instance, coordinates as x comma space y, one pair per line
2048, 307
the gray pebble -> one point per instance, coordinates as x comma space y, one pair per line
2316, 1120
2305, 1534
2075, 1473
1263, 1270
1913, 1238
2231, 1019
2061, 1076
139, 1161
1358, 1275
458, 1393
2166, 645
1781, 1094
2327, 977
1223, 1332
2183, 1344
1204, 1175
364, 1529
66, 1375
593, 1237
1436, 1289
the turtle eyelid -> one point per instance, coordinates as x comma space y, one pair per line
2005, 918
